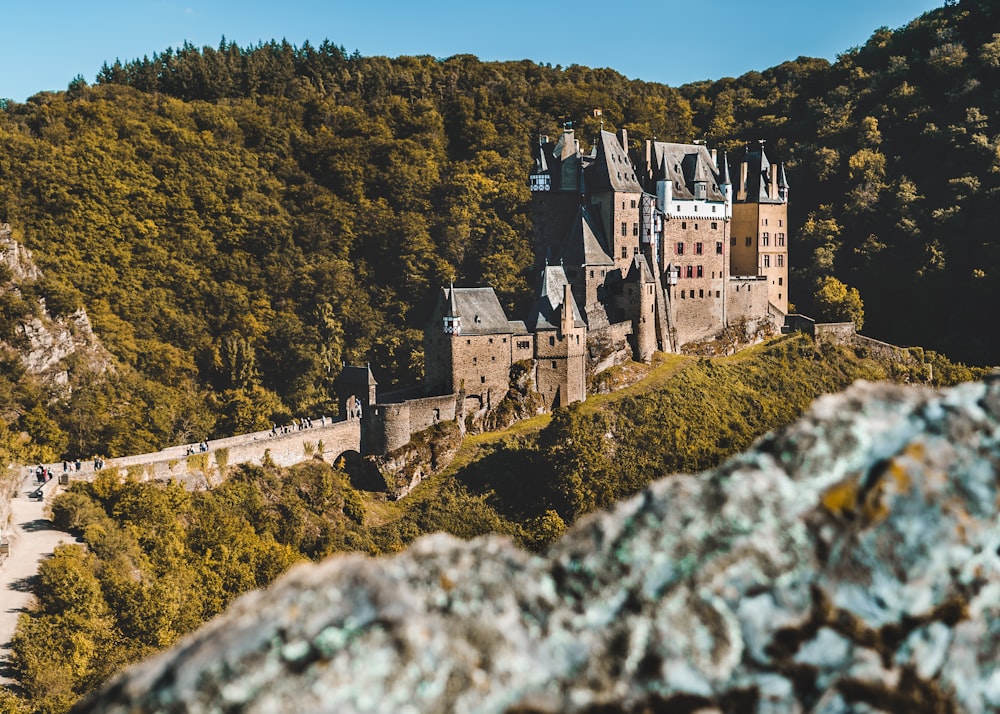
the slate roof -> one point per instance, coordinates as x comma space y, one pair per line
611, 169
545, 313
684, 164
584, 243
357, 375
639, 270
480, 311
758, 187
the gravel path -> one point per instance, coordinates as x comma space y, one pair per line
32, 539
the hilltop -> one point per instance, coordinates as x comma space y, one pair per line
239, 222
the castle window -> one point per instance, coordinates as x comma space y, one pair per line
767, 261
717, 293
695, 209
701, 293
718, 247
493, 359
701, 272
696, 226
684, 225
698, 248
624, 228
635, 229
748, 241
468, 342
781, 239
482, 379
475, 360
780, 222
602, 273
491, 340
577, 339
780, 280
764, 222
713, 207
732, 241
553, 364
633, 203
523, 344
635, 250
624, 252
680, 249
678, 209
552, 340
715, 226
779, 296
690, 271
591, 273
780, 261
765, 239
505, 340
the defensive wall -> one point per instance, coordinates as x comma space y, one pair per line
328, 440
389, 425
844, 333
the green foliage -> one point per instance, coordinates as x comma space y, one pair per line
914, 236
157, 561
835, 302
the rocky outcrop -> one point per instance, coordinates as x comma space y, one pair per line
427, 453
847, 564
44, 343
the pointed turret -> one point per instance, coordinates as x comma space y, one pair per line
452, 320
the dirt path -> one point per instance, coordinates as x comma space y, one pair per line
32, 539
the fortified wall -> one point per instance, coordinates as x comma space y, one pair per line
328, 441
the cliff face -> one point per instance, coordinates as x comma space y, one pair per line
849, 563
44, 343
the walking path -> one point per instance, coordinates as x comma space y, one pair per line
32, 539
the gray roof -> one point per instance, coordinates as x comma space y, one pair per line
611, 170
639, 270
479, 310
357, 375
684, 164
758, 185
546, 312
584, 244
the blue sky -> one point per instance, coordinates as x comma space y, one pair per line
46, 43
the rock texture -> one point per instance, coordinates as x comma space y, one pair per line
44, 343
847, 564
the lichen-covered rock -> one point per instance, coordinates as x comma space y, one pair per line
847, 564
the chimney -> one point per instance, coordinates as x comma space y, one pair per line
741, 190
567, 314
623, 138
715, 159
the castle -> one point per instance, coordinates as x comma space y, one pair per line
636, 252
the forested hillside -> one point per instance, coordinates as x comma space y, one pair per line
159, 560
240, 221
894, 158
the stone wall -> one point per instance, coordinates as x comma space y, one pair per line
838, 332
746, 299
328, 441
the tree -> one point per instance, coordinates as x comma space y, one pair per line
835, 302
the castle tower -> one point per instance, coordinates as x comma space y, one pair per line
641, 290
560, 341
586, 261
760, 224
556, 183
693, 204
615, 191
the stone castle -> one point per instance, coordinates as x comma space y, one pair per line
636, 252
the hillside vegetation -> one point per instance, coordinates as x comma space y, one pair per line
241, 221
156, 560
